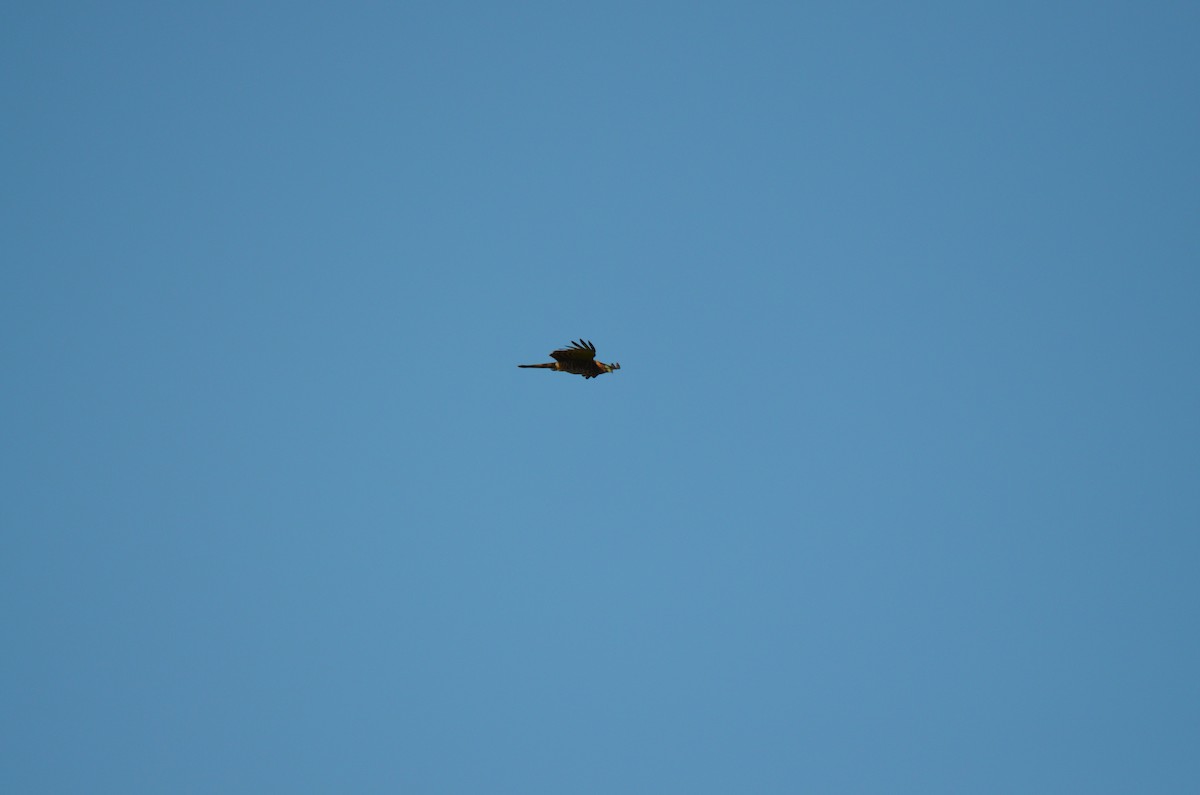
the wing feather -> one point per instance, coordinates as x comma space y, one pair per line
581, 351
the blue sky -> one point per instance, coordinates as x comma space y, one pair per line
897, 490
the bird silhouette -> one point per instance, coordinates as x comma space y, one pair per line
578, 358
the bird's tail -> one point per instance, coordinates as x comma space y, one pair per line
548, 365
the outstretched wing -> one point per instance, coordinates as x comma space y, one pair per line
582, 351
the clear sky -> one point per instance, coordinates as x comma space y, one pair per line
898, 490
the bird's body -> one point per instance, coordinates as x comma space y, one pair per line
579, 358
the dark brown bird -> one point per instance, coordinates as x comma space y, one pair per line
579, 358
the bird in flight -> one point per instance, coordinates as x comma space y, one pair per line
579, 358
